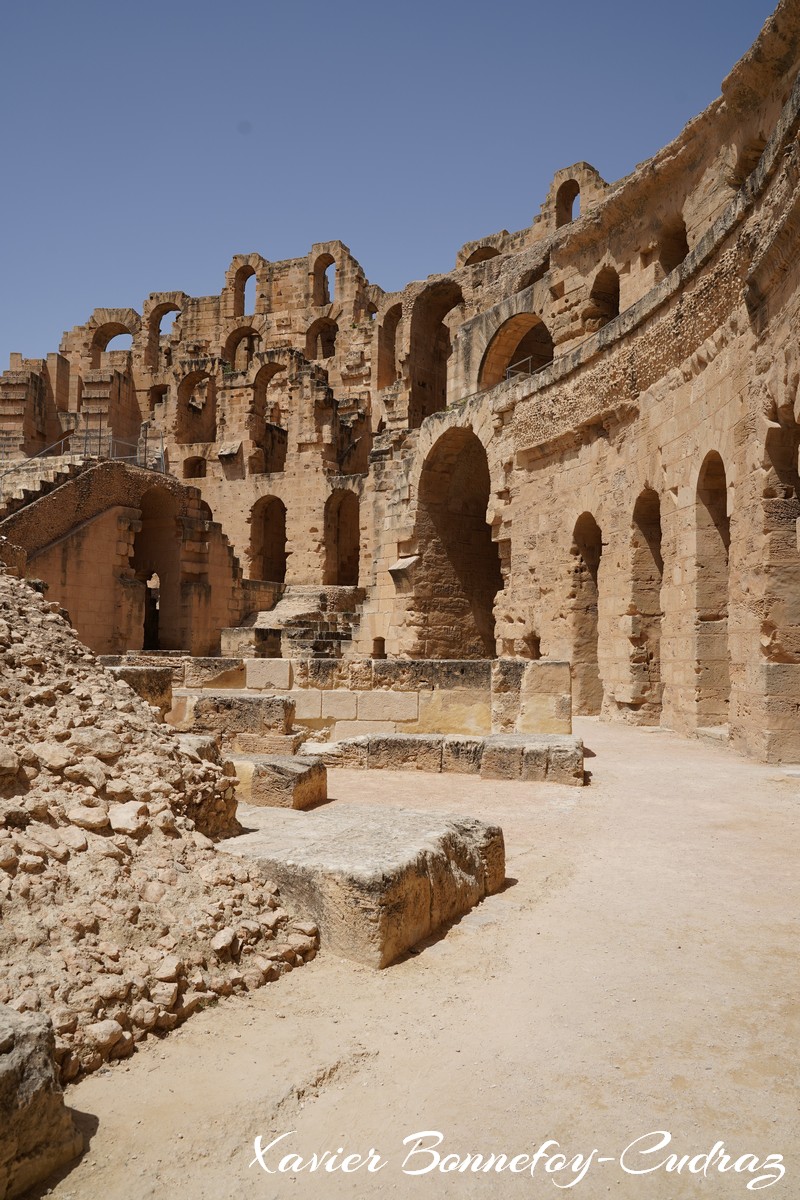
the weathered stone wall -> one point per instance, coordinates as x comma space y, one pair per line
580, 443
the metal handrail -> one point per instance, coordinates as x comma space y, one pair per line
108, 447
523, 368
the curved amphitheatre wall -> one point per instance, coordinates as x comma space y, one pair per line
641, 455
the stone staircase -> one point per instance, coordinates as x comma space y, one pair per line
307, 622
30, 480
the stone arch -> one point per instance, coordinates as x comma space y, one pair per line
323, 284
266, 424
244, 294
194, 467
647, 576
104, 333
154, 333
521, 345
388, 372
157, 552
586, 551
268, 553
342, 538
458, 574
712, 532
431, 347
196, 416
567, 194
481, 254
240, 347
321, 339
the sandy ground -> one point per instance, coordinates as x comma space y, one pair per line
638, 973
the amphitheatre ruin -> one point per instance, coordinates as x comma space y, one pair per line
316, 601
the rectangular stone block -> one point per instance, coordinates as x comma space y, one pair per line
340, 704
455, 710
219, 713
535, 759
502, 759
352, 729
565, 762
412, 675
268, 674
307, 703
401, 751
280, 781
387, 706
376, 881
462, 754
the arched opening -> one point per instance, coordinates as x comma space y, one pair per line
533, 275
387, 346
194, 468
521, 346
567, 194
482, 254
157, 395
458, 576
266, 425
711, 594
673, 245
342, 539
324, 283
156, 564
244, 291
647, 574
240, 347
587, 550
110, 337
160, 324
321, 339
431, 347
603, 301
196, 418
268, 555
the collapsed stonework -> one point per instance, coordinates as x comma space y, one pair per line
119, 915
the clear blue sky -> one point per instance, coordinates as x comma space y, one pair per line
144, 144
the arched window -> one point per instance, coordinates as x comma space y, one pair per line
244, 291
387, 346
604, 299
240, 347
673, 245
321, 339
110, 337
194, 468
566, 196
324, 283
521, 346
196, 418
431, 347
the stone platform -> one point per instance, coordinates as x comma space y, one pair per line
376, 882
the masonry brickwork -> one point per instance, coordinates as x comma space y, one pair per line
580, 444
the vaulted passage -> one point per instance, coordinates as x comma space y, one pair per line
711, 595
156, 563
458, 576
587, 550
645, 610
521, 346
268, 540
342, 539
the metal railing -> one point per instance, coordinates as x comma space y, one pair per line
525, 367
97, 445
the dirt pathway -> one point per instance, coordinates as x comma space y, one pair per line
640, 974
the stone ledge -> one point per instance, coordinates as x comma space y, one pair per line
528, 757
376, 881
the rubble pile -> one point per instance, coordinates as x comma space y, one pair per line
118, 915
